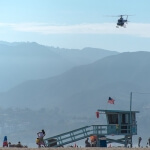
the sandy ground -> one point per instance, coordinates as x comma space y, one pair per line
70, 148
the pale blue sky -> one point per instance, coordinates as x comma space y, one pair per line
76, 23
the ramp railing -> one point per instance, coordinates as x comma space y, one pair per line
68, 137
84, 132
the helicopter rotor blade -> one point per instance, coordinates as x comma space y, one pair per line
129, 15
114, 15
119, 15
110, 16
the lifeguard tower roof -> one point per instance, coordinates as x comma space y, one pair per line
116, 111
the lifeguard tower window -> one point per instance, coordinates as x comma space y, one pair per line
113, 118
125, 118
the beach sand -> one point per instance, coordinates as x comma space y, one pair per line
73, 148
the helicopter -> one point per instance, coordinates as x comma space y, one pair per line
122, 22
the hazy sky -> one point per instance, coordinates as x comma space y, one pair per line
76, 23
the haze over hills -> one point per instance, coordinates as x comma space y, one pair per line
20, 61
73, 96
85, 56
86, 86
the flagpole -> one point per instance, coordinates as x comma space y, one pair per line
131, 116
130, 107
130, 101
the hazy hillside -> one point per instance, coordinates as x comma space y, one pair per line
20, 62
73, 97
114, 76
84, 56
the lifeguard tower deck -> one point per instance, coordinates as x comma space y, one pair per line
119, 122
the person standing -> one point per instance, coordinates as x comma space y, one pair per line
149, 141
87, 144
41, 136
5, 143
139, 141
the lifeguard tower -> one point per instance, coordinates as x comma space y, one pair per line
119, 122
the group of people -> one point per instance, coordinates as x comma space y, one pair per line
8, 144
40, 140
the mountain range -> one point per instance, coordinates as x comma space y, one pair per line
20, 61
85, 85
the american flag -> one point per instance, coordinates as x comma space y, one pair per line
111, 100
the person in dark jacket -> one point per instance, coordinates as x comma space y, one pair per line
87, 144
139, 141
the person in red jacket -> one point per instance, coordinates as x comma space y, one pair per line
5, 143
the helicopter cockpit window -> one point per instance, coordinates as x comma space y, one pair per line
113, 118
